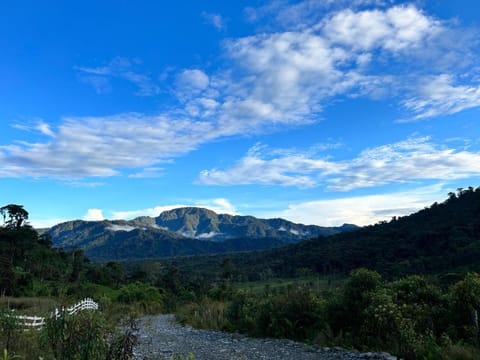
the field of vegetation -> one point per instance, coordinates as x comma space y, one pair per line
408, 287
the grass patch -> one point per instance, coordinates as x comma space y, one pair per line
29, 305
316, 283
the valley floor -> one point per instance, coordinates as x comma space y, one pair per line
160, 338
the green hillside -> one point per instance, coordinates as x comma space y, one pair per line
442, 238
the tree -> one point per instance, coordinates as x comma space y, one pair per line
227, 269
17, 216
465, 297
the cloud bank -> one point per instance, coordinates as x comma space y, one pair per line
273, 80
406, 161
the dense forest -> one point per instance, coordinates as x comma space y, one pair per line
441, 239
407, 286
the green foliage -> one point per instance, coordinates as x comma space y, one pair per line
459, 352
410, 317
8, 328
188, 356
82, 336
385, 326
440, 239
464, 301
147, 296
241, 313
121, 348
296, 314
208, 314
17, 216
30, 266
6, 356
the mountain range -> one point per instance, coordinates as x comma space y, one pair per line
181, 231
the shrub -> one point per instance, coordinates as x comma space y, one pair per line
208, 314
147, 296
296, 314
82, 336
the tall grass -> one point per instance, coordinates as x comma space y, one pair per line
208, 314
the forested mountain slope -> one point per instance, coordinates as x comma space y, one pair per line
444, 237
179, 232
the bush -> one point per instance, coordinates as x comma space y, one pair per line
8, 328
241, 312
82, 336
208, 314
296, 314
148, 297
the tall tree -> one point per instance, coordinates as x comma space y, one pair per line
16, 214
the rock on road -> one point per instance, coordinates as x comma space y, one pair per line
160, 337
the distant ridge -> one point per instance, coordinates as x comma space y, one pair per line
182, 231
441, 239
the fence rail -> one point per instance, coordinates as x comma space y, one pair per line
37, 322
30, 322
85, 304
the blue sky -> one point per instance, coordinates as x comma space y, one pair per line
321, 112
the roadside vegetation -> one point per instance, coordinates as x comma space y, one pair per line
412, 317
409, 287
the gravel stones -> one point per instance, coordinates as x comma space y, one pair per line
161, 338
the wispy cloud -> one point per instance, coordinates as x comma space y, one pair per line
219, 205
362, 210
302, 14
148, 172
120, 68
410, 160
85, 147
268, 81
44, 223
216, 20
438, 95
406, 161
38, 125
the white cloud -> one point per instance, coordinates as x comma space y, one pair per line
288, 170
115, 227
120, 68
39, 223
302, 14
438, 95
39, 126
269, 81
361, 210
396, 29
148, 172
215, 19
209, 235
290, 76
84, 147
44, 128
405, 161
191, 82
219, 205
413, 159
101, 84
94, 215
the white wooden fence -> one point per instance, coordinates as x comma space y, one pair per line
30, 322
37, 322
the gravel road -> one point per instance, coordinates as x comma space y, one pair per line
160, 338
